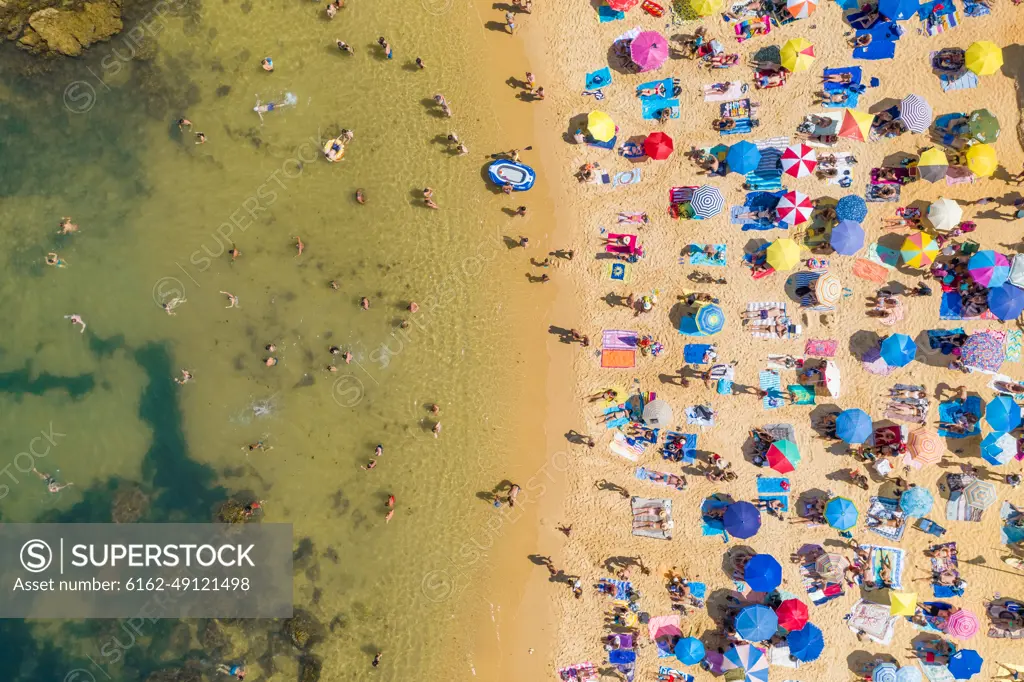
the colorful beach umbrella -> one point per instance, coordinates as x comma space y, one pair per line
853, 208
916, 113
908, 673
853, 426
794, 208
898, 10
847, 237
600, 126
763, 573
932, 165
707, 201
807, 643
964, 664
783, 456
1002, 413
623, 5
649, 50
1017, 271
749, 659
983, 125
709, 319
743, 157
705, 8
980, 494
1006, 301
925, 446
799, 160
792, 614
801, 9
945, 214
884, 672
689, 651
828, 289
983, 58
831, 566
989, 268
962, 624
981, 159
902, 603
742, 520
783, 254
797, 55
998, 448
916, 501
856, 125
899, 350
840, 513
756, 623
983, 351
919, 250
658, 146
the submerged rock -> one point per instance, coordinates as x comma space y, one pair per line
69, 31
309, 668
303, 630
129, 505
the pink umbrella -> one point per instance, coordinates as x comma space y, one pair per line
963, 624
799, 160
649, 50
794, 208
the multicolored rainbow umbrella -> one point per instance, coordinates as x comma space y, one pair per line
801, 9
919, 250
989, 268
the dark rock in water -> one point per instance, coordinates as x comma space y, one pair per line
309, 668
176, 675
129, 504
68, 32
211, 34
232, 511
303, 630
214, 640
223, 90
304, 554
246, 7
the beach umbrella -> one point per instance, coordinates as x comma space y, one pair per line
983, 351
742, 520
710, 319
884, 672
659, 146
853, 426
984, 126
852, 208
998, 448
658, 413
649, 50
916, 501
962, 624
797, 54
899, 350
919, 250
792, 614
932, 165
980, 494
1002, 413
828, 289
897, 10
856, 125
833, 381
756, 623
916, 113
763, 573
945, 214
799, 160
983, 58
600, 126
1016, 277
981, 159
840, 513
707, 201
705, 8
902, 603
623, 5
925, 446
801, 9
908, 673
964, 664
743, 157
783, 254
1006, 301
783, 456
847, 237
989, 268
748, 658
794, 208
807, 643
689, 651
831, 566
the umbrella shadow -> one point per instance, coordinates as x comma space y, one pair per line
722, 605
679, 311
926, 355
577, 122
731, 558
883, 104
862, 341
804, 500
861, 662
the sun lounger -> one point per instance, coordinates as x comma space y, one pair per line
736, 90
885, 508
640, 503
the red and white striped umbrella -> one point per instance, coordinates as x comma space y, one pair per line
799, 160
801, 9
794, 208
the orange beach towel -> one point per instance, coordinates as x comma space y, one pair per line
618, 359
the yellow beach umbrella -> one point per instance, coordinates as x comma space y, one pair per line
981, 159
984, 58
705, 8
797, 54
933, 156
856, 125
601, 126
902, 603
783, 254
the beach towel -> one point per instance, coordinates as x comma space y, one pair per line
884, 35
1009, 533
603, 144
964, 80
957, 508
895, 558
711, 526
612, 339
668, 674
821, 348
951, 307
871, 193
885, 508
623, 588
770, 381
854, 71
845, 165
643, 474
650, 107
873, 620
693, 353
767, 176
581, 672
618, 359
614, 423
774, 490
804, 394
818, 591
619, 272
601, 78
883, 255
724, 387
741, 108
902, 177
941, 564
652, 8
688, 441
936, 673
743, 28
700, 415
743, 126
640, 503
698, 257
872, 272
959, 175
851, 101
975, 9
623, 178
1014, 342
948, 412
665, 84
859, 19
736, 89
606, 14
940, 339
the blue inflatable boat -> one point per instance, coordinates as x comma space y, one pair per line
519, 176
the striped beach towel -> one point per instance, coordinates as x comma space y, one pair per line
743, 126
962, 81
618, 339
1014, 338
770, 381
736, 89
768, 174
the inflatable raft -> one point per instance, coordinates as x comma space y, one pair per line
504, 172
334, 150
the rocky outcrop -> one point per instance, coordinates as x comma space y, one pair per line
66, 31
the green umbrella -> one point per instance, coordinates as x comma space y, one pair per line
983, 125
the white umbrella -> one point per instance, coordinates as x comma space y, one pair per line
832, 380
1016, 277
658, 414
945, 214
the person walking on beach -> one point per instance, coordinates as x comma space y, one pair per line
420, 64
376, 659
510, 23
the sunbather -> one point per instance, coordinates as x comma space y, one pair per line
770, 80
656, 509
657, 91
722, 61
719, 88
763, 314
884, 191
861, 40
903, 409
843, 78
773, 507
900, 223
617, 413
608, 394
761, 214
653, 525
820, 138
1008, 386
724, 123
737, 13
906, 393
833, 97
665, 115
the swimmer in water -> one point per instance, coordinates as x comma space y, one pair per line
186, 376
76, 319
51, 482
170, 305
184, 123
55, 260
369, 466
347, 135
66, 226
259, 445
334, 350
345, 47
429, 203
436, 429
462, 150
270, 348
235, 671
232, 300
347, 356
364, 303
378, 451
428, 193
376, 659
391, 500
435, 409
360, 197
414, 307
267, 64
333, 284
270, 361
387, 517
200, 138
385, 46
299, 245
234, 253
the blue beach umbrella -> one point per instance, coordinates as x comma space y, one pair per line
709, 319
916, 501
1002, 414
742, 520
908, 673
998, 448
847, 238
898, 10
807, 643
743, 157
884, 672
750, 660
852, 208
763, 573
756, 623
1006, 301
899, 350
840, 513
689, 651
965, 663
853, 426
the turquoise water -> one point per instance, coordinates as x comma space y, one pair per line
95, 139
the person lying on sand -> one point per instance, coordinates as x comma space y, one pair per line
772, 313
842, 78
757, 215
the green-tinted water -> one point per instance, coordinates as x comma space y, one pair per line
95, 139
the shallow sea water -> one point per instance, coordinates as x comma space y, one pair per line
95, 139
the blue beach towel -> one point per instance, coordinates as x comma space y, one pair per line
665, 83
926, 9
936, 336
650, 106
883, 41
885, 508
724, 387
689, 443
772, 486
698, 590
855, 72
1009, 534
948, 412
767, 177
610, 144
601, 78
951, 306
770, 381
743, 126
856, 19
975, 9
622, 587
693, 353
712, 526
698, 257
947, 591
962, 81
615, 423
606, 14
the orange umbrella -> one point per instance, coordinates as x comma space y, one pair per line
658, 146
856, 125
924, 447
